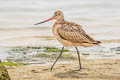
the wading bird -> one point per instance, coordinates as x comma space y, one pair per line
69, 34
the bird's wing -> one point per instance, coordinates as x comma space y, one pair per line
74, 33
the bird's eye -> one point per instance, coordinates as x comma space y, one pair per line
55, 14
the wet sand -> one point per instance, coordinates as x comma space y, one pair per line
97, 69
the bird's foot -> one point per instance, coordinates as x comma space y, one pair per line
48, 69
45, 69
79, 69
51, 69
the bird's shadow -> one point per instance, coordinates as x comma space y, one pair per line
71, 74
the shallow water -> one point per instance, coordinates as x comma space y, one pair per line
38, 55
100, 19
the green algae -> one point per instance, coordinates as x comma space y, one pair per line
54, 49
52, 56
4, 73
12, 64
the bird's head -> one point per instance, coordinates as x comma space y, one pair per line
58, 15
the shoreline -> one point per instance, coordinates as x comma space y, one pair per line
43, 54
102, 69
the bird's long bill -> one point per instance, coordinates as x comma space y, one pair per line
44, 21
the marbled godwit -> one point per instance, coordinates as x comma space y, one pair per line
69, 34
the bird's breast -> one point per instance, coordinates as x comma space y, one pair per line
58, 37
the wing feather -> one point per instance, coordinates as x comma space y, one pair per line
74, 33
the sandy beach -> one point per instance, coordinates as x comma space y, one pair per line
99, 69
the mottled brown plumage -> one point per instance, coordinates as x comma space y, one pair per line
69, 34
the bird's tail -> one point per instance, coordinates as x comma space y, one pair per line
97, 42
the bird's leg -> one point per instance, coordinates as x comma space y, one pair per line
78, 57
57, 58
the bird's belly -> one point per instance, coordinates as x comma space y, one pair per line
68, 43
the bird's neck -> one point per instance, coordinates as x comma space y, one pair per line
60, 20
